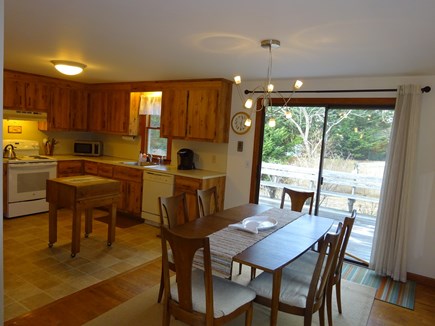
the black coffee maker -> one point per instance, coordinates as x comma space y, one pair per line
185, 159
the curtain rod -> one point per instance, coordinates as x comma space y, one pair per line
425, 89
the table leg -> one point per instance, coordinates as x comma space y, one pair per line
112, 225
76, 224
52, 224
88, 222
276, 288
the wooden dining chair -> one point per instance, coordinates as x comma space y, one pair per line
297, 199
302, 293
307, 262
173, 212
197, 297
207, 201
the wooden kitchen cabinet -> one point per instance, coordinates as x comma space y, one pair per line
131, 189
197, 111
105, 170
69, 107
69, 168
90, 167
173, 119
190, 185
25, 92
110, 112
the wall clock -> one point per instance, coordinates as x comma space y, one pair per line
238, 123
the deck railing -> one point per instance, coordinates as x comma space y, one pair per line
355, 187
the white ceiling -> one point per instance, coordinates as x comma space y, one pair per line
139, 40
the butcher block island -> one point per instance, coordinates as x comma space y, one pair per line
81, 193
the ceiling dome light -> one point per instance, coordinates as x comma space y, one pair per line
68, 67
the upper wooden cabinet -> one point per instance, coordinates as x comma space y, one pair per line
25, 92
173, 119
191, 109
69, 108
197, 111
110, 111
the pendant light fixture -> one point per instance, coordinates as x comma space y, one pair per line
265, 91
70, 68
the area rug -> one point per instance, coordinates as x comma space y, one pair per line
398, 293
122, 221
143, 309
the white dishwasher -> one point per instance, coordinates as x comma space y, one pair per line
155, 185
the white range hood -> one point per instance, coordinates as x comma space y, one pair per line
24, 115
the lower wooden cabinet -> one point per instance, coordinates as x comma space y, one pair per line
90, 167
131, 189
69, 168
190, 185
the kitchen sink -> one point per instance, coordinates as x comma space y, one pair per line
135, 163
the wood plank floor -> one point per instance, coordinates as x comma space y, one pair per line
89, 303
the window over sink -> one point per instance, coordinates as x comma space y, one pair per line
150, 111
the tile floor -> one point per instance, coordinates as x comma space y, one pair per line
35, 275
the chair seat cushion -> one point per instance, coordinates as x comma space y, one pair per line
227, 295
305, 263
294, 286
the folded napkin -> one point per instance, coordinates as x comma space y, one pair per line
250, 226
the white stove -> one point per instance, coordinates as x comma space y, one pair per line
27, 175
26, 151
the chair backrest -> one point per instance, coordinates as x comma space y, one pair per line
324, 267
173, 210
343, 240
298, 199
183, 250
207, 201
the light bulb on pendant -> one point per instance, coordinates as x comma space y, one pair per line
237, 80
248, 122
270, 88
248, 103
298, 84
288, 114
272, 122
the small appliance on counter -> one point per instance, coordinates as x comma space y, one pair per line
185, 159
88, 148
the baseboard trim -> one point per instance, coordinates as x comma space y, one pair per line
420, 279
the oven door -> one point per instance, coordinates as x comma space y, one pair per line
27, 181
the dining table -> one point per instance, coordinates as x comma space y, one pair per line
269, 250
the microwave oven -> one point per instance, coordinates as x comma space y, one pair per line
88, 148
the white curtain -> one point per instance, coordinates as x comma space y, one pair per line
389, 251
150, 103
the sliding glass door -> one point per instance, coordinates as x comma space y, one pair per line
338, 152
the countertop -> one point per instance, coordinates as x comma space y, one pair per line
167, 169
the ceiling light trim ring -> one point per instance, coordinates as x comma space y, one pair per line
67, 67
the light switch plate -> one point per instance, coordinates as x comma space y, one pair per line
240, 146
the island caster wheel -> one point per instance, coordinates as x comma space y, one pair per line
109, 244
73, 255
50, 245
86, 235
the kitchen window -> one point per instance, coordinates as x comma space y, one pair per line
152, 143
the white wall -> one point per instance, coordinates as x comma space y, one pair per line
421, 242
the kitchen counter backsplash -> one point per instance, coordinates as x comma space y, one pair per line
169, 169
